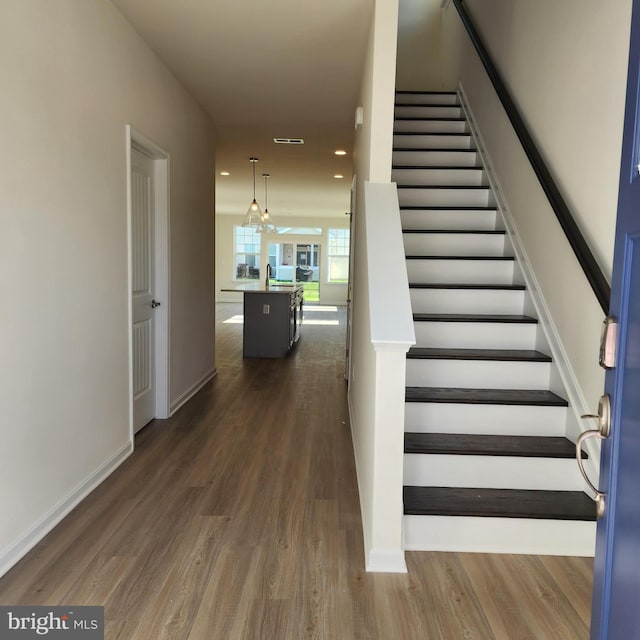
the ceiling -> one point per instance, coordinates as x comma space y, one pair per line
282, 68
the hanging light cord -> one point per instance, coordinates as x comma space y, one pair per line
266, 202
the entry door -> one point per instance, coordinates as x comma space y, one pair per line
616, 599
142, 288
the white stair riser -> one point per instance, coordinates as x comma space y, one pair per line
463, 177
451, 158
499, 535
430, 126
445, 219
477, 374
453, 244
430, 99
488, 301
431, 141
460, 271
421, 111
492, 472
443, 197
490, 419
475, 335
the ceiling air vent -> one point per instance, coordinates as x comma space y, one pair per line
288, 140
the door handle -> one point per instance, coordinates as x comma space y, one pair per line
604, 429
154, 304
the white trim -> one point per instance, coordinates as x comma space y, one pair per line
386, 561
390, 314
445, 4
570, 385
12, 554
390, 345
162, 229
191, 391
528, 536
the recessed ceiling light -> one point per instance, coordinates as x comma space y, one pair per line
225, 173
338, 175
340, 152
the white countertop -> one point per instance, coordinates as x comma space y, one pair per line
258, 287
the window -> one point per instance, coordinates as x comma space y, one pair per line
338, 255
246, 252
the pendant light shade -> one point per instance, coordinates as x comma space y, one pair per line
266, 222
253, 217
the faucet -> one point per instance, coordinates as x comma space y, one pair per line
266, 280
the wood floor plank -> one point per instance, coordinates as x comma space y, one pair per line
239, 519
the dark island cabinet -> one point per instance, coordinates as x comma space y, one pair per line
272, 321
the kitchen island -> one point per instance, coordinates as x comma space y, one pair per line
272, 318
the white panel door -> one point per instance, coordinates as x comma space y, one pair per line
142, 288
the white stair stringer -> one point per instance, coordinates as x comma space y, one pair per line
472, 334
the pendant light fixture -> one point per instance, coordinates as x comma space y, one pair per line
266, 223
253, 217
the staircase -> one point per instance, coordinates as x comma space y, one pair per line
487, 466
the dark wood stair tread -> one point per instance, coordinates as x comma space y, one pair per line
431, 133
414, 92
432, 167
499, 503
480, 232
437, 150
464, 187
472, 317
432, 118
479, 287
490, 445
431, 257
418, 207
455, 395
503, 355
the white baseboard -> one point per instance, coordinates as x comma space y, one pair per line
191, 391
11, 555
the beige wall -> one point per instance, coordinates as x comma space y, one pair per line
565, 64
330, 293
74, 73
419, 63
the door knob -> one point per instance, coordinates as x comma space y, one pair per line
154, 304
604, 428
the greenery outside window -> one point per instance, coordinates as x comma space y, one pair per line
246, 253
338, 256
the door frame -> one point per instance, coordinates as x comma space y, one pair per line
161, 159
352, 243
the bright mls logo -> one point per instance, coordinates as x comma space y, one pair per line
52, 623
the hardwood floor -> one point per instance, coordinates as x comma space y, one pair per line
239, 519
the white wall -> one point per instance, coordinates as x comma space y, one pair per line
419, 63
330, 293
565, 64
74, 73
376, 381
